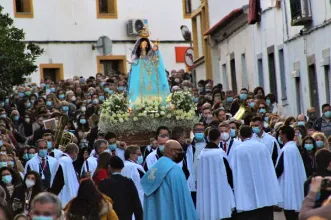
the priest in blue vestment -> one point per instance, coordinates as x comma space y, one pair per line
166, 192
148, 79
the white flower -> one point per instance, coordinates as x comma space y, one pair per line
162, 113
121, 120
163, 108
169, 116
157, 115
135, 119
177, 117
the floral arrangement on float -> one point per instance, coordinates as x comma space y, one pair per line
146, 117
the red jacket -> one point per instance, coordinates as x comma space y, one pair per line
100, 175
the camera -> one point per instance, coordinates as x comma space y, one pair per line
326, 183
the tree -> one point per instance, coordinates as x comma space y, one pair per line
16, 57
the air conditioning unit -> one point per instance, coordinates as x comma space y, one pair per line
135, 25
300, 12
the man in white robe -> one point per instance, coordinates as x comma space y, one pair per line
66, 182
45, 165
215, 199
256, 188
259, 135
227, 143
291, 174
53, 152
153, 157
90, 165
133, 169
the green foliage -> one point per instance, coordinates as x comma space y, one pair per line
16, 58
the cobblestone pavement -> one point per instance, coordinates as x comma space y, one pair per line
279, 216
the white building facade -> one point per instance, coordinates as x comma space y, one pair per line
287, 52
68, 31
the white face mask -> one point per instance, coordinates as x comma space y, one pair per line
225, 136
27, 120
73, 98
29, 183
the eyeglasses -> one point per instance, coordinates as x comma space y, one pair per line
261, 107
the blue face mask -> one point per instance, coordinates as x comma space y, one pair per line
28, 105
21, 94
49, 103
82, 121
101, 98
112, 147
327, 114
7, 101
256, 130
301, 123
320, 144
89, 101
37, 94
31, 156
102, 84
12, 164
61, 96
140, 160
3, 116
52, 90
40, 217
309, 147
110, 92
25, 156
2, 104
43, 153
121, 88
1, 143
16, 117
195, 99
232, 133
266, 118
263, 110
106, 89
199, 136
3, 164
268, 101
243, 96
161, 147
28, 93
65, 108
252, 104
49, 144
280, 141
7, 179
95, 101
229, 99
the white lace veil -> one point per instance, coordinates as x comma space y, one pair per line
136, 46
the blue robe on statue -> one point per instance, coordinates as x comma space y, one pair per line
148, 79
166, 193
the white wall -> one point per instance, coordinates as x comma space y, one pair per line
76, 20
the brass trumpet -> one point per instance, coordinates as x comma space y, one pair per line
62, 138
240, 113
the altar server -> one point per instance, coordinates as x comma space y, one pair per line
291, 174
45, 165
133, 169
216, 202
90, 165
153, 157
198, 144
66, 182
53, 152
166, 193
226, 143
256, 188
260, 136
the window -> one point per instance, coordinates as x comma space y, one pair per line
282, 73
51, 71
187, 8
23, 8
300, 12
233, 76
272, 75
109, 65
327, 83
313, 88
244, 71
298, 95
224, 77
106, 9
260, 71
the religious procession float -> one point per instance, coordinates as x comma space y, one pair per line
134, 117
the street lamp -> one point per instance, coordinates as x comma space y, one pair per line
186, 33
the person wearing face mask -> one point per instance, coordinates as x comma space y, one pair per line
308, 155
311, 114
226, 143
44, 165
90, 165
24, 194
256, 188
323, 124
321, 140
171, 186
291, 174
52, 151
46, 206
9, 180
240, 101
133, 169
66, 182
214, 160
153, 157
301, 120
198, 144
269, 141
101, 172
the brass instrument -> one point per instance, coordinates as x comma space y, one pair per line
240, 113
62, 138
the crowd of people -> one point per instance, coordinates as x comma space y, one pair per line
231, 166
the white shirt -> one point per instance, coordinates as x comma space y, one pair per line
268, 140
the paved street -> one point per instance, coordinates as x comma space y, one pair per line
279, 216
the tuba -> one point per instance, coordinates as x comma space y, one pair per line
62, 138
241, 112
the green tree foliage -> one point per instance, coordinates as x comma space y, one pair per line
16, 57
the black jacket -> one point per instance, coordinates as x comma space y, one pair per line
124, 194
18, 199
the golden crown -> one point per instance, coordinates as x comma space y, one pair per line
144, 32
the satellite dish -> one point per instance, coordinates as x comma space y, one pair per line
104, 45
186, 33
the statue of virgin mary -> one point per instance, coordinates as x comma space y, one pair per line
148, 78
